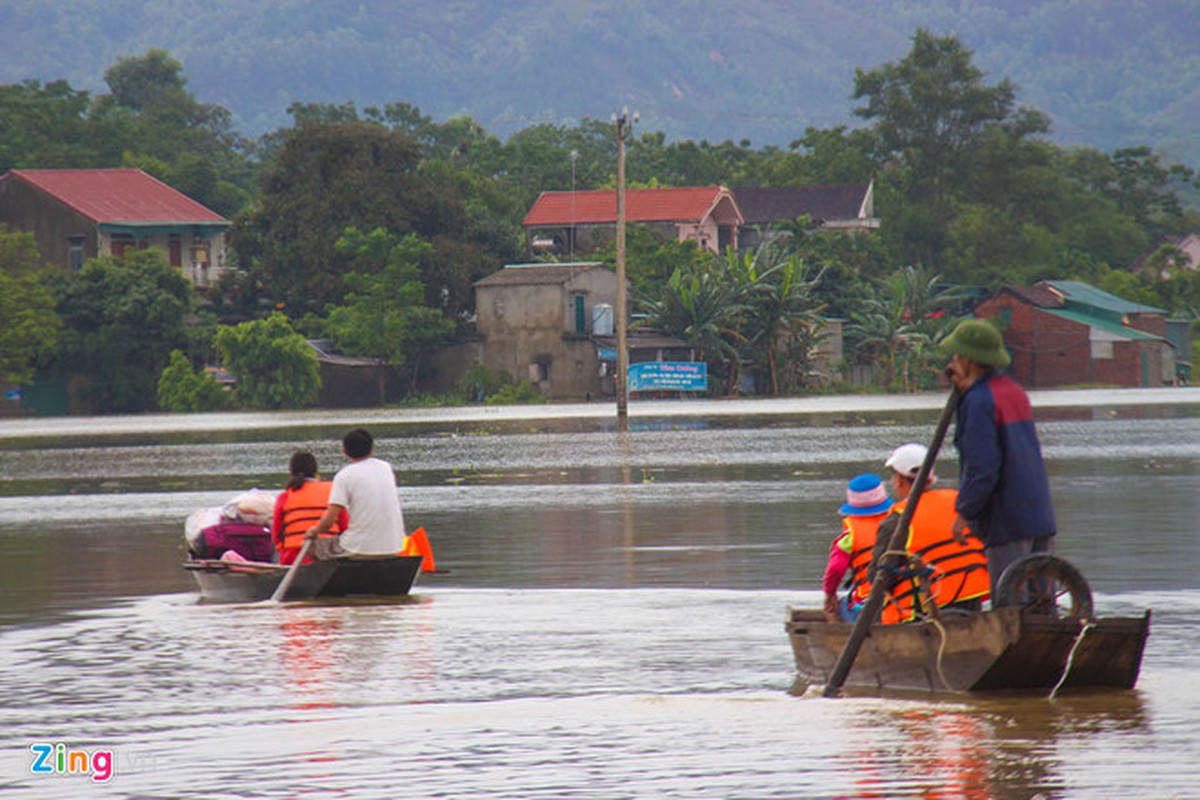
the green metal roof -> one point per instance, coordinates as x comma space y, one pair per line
1082, 293
1103, 323
139, 229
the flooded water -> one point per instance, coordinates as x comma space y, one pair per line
610, 625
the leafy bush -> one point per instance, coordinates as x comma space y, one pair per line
181, 389
274, 366
480, 383
521, 394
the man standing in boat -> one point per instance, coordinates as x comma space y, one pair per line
366, 489
1003, 490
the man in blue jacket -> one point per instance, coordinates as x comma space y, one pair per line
1003, 491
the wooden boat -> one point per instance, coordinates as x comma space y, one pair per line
1010, 648
248, 581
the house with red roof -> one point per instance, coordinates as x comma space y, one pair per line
574, 222
77, 214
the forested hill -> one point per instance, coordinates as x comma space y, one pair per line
1109, 73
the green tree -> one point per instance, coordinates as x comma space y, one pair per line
704, 307
273, 365
26, 306
933, 115
121, 319
831, 156
46, 126
384, 315
930, 108
163, 129
1135, 179
181, 389
899, 327
328, 177
142, 82
650, 259
783, 320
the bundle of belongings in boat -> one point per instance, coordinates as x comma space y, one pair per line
239, 530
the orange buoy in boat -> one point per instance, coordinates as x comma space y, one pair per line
417, 544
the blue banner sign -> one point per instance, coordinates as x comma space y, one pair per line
674, 376
608, 354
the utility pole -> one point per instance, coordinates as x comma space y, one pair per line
571, 235
621, 313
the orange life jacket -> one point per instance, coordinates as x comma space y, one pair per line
959, 572
862, 546
302, 508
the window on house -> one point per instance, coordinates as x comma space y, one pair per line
580, 314
75, 252
175, 250
1102, 350
119, 243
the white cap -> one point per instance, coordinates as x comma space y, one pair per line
906, 460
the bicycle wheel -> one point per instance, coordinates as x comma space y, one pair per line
1045, 584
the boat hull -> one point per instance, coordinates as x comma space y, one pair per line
240, 582
1001, 650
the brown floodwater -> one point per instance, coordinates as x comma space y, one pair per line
609, 625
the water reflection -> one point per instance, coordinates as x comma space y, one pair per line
308, 660
1002, 747
931, 752
611, 624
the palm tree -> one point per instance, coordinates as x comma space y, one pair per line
702, 307
750, 308
783, 324
898, 328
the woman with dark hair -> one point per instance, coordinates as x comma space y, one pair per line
300, 504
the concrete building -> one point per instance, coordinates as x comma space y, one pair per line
537, 322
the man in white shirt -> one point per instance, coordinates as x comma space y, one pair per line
366, 489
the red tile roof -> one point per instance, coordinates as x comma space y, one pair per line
686, 204
117, 195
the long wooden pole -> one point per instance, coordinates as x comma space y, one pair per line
879, 587
286, 583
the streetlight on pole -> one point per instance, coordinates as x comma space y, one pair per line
623, 123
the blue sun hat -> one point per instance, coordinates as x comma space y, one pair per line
865, 497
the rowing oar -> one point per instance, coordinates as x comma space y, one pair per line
879, 587
286, 583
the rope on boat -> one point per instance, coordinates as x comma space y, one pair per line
924, 600
913, 567
1087, 626
941, 651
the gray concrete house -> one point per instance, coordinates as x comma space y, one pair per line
537, 322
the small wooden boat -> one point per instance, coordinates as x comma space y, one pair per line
248, 581
1009, 648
